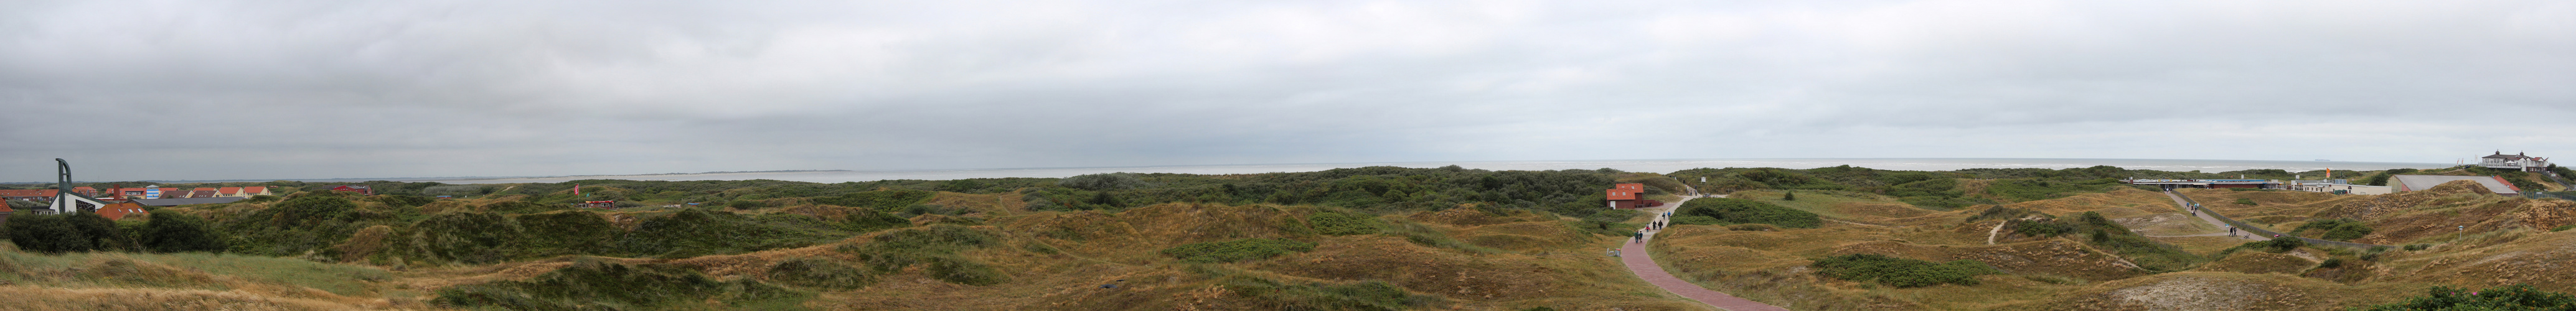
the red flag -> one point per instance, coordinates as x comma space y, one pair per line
576, 188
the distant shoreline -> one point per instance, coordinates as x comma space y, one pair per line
1640, 165
1634, 165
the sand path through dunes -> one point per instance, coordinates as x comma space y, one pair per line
1641, 262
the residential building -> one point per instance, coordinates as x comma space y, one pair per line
2516, 161
1626, 196
118, 211
28, 194
360, 189
185, 201
2337, 186
2404, 183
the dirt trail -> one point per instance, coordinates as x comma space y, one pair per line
1643, 264
1999, 229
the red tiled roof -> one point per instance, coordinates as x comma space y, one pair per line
231, 190
120, 210
24, 193
254, 190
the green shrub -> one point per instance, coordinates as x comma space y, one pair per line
1752, 227
597, 284
2330, 263
522, 207
1266, 294
2418, 247
871, 220
48, 234
565, 233
819, 273
2335, 229
1729, 210
2244, 201
2563, 228
1695, 220
690, 233
174, 232
881, 200
1335, 223
401, 200
468, 237
961, 271
1901, 272
1103, 182
1237, 250
2041, 228
2509, 297
935, 245
2276, 245
307, 211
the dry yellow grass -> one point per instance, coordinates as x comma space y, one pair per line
2254, 262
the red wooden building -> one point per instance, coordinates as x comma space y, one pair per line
1628, 196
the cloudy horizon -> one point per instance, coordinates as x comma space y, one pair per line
208, 90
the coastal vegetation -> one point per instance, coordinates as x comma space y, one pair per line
1901, 272
1378, 238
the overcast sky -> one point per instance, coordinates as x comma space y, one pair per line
204, 89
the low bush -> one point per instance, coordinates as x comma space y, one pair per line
935, 245
1753, 227
2275, 245
2509, 297
2418, 247
2102, 233
2245, 202
2563, 228
1427, 236
1369, 295
2330, 263
691, 233
819, 272
958, 270
1694, 220
175, 232
1237, 250
881, 200
2334, 229
1727, 210
1103, 182
2041, 228
1337, 223
598, 284
1901, 272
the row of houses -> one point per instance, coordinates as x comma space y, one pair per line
151, 192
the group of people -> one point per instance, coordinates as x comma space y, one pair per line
1651, 226
1640, 235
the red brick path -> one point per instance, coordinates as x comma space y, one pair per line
1643, 264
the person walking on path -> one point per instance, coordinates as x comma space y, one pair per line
1639, 237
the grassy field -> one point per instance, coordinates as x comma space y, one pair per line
999, 249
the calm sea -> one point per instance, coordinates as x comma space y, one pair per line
1657, 166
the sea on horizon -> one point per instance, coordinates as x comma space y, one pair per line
1654, 166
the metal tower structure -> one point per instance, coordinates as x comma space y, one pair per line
66, 200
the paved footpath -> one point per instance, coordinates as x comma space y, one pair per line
2204, 215
1642, 263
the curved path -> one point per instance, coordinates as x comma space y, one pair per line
1642, 262
2205, 216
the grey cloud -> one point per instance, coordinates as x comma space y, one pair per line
380, 89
